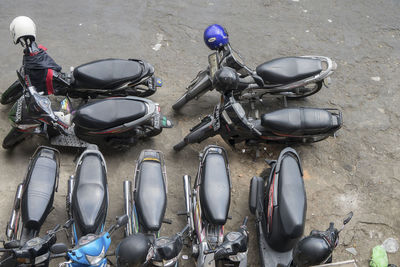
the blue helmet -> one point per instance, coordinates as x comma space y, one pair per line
215, 36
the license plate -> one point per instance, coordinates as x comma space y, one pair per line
213, 63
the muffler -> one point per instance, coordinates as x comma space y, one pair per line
12, 226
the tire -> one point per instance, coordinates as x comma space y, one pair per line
13, 138
180, 103
12, 94
179, 146
318, 86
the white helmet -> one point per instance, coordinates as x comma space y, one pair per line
22, 27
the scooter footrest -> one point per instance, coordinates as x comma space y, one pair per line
70, 140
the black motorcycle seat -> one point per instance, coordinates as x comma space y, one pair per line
37, 199
107, 73
288, 69
299, 121
291, 198
90, 194
108, 113
150, 197
215, 193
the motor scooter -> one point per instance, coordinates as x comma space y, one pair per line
118, 122
87, 206
207, 207
290, 77
105, 77
32, 204
145, 206
279, 203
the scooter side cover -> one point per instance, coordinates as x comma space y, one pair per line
41, 182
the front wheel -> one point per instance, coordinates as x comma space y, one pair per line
13, 138
304, 91
12, 94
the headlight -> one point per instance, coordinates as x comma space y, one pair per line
95, 260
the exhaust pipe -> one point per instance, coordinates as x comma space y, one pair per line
12, 226
71, 183
188, 200
128, 206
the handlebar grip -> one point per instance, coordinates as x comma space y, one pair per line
245, 221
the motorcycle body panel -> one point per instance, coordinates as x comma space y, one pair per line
99, 246
150, 193
89, 201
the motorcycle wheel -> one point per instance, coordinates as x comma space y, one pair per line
12, 94
180, 146
13, 138
314, 90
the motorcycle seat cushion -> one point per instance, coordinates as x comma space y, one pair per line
108, 113
288, 69
90, 194
291, 198
38, 196
107, 73
150, 196
299, 121
215, 194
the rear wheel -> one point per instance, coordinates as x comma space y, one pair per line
13, 138
11, 95
304, 91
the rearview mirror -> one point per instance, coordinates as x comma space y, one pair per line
348, 218
58, 248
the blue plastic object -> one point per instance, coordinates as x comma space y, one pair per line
215, 36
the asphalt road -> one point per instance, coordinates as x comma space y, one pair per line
359, 170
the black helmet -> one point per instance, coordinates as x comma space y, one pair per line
226, 79
310, 251
132, 251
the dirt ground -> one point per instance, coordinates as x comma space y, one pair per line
359, 170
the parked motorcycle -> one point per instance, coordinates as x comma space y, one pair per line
279, 203
288, 125
87, 205
145, 207
32, 203
291, 77
104, 77
207, 208
118, 122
